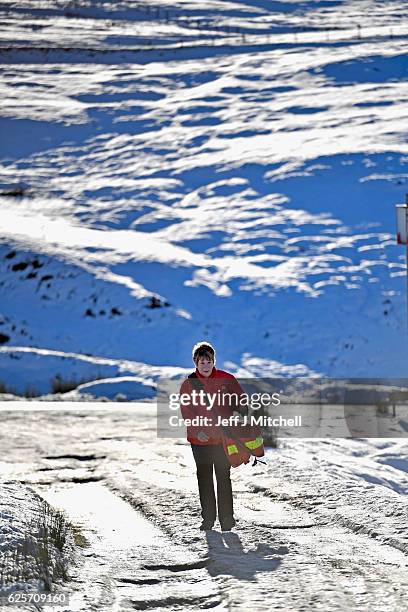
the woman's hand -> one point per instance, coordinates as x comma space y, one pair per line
202, 436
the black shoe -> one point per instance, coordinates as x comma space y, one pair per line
206, 526
227, 524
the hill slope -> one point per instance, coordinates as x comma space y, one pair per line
204, 169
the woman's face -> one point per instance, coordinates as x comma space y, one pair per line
205, 365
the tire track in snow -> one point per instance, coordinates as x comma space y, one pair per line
339, 497
118, 569
278, 553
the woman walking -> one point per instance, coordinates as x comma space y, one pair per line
206, 441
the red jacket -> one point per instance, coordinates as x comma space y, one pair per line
218, 382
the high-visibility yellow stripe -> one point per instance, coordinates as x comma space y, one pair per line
254, 443
232, 449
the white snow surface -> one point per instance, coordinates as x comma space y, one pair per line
321, 526
235, 165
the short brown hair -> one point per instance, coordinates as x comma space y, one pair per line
203, 349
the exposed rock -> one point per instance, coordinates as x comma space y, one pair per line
22, 265
155, 302
13, 189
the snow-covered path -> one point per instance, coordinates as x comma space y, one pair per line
128, 563
322, 527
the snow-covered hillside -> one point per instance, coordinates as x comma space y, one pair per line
220, 170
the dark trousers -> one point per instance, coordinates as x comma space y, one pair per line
206, 456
